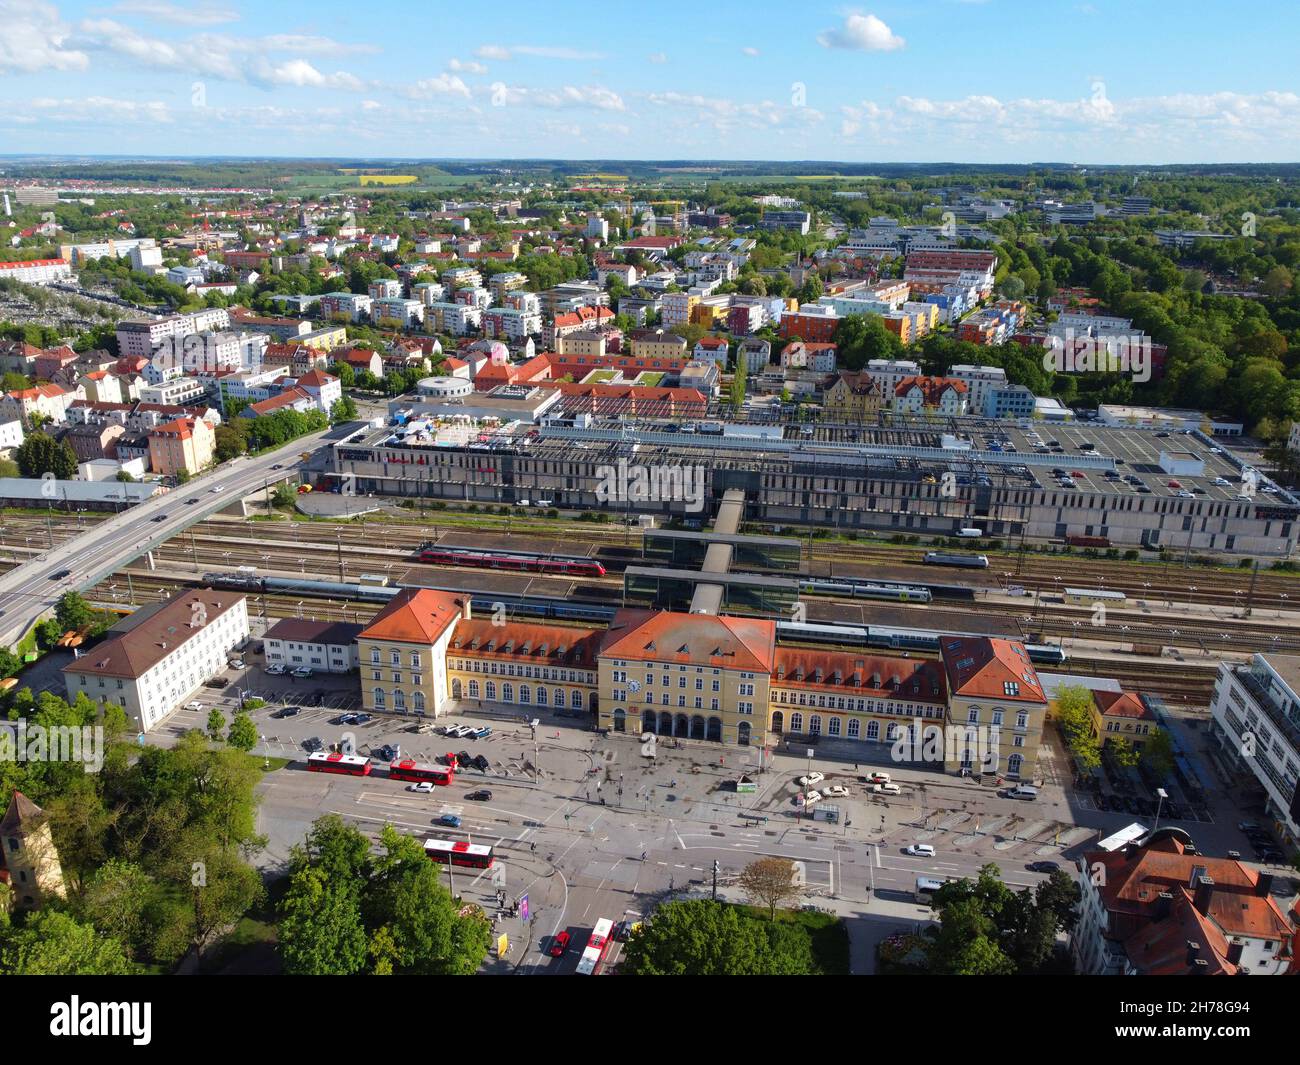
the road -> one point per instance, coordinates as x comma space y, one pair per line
31, 588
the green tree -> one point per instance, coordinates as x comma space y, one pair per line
284, 495
698, 937
117, 901
343, 410
40, 454
52, 943
243, 732
73, 612
1072, 711
1158, 753
320, 929
216, 723
769, 882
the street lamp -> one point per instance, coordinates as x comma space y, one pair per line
1161, 796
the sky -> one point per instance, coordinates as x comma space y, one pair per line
982, 81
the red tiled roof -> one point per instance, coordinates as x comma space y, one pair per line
1122, 704
414, 615
985, 668
917, 679
526, 642
700, 639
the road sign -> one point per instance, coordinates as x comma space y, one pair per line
523, 908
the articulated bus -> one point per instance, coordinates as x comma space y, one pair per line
354, 765
409, 769
593, 958
473, 855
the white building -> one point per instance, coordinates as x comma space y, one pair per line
890, 373
322, 646
36, 271
162, 655
1256, 708
145, 257
398, 312
980, 381
11, 435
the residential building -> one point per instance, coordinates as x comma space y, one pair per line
182, 445
980, 380
36, 271
656, 344
756, 352
711, 349
403, 652
344, 306
941, 394
1153, 908
854, 397
1122, 715
322, 646
159, 655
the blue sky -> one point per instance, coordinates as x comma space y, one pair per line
1137, 81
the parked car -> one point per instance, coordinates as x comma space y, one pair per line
464, 759
919, 850
361, 719
807, 800
287, 711
811, 779
313, 744
481, 763
194, 706
275, 669
482, 733
482, 795
559, 944
344, 719
302, 671
1043, 867
880, 778
886, 789
424, 787
837, 790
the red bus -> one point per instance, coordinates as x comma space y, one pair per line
409, 769
474, 855
333, 762
593, 958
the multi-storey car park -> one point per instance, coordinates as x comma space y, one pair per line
931, 476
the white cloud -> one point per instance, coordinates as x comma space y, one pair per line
657, 57
32, 38
198, 15
240, 59
94, 109
724, 114
750, 50
466, 66
439, 85
501, 53
861, 33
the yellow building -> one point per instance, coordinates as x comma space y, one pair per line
996, 696
29, 863
583, 342
526, 665
1122, 715
690, 675
403, 652
856, 696
326, 338
185, 444
854, 397
656, 344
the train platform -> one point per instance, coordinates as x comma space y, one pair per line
888, 615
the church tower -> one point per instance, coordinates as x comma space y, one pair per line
29, 858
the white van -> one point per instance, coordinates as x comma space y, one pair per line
970, 534
1022, 791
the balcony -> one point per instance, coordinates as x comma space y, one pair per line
1289, 727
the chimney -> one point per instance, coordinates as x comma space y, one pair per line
1198, 871
1204, 893
1164, 903
466, 608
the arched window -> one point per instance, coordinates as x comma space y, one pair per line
525, 693
854, 728
833, 726
576, 700
815, 724
796, 722
1013, 764
541, 696
379, 698
473, 689
395, 657
873, 730
399, 699
490, 690
417, 701
507, 693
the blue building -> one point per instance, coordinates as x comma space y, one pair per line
1009, 401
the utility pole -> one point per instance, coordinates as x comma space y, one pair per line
715, 879
1250, 592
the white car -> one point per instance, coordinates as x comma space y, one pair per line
837, 790
217, 488
811, 779
919, 850
423, 787
807, 800
194, 706
276, 669
887, 789
302, 671
880, 778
